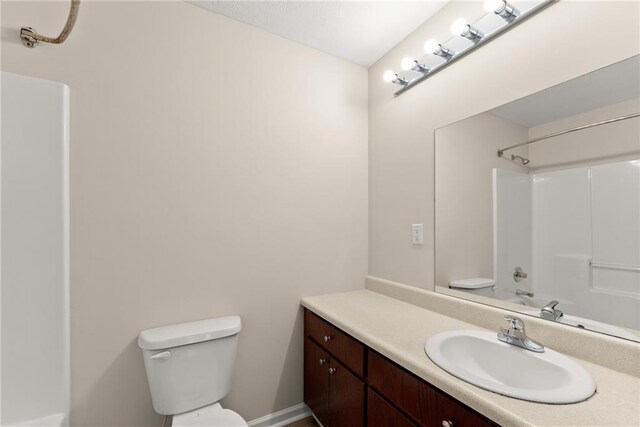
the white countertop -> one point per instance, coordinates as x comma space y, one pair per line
399, 330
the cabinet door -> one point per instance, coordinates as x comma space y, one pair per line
346, 397
381, 414
316, 380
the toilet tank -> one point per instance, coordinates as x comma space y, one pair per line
190, 365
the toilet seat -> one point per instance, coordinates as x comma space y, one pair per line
209, 416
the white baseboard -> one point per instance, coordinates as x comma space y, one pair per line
283, 417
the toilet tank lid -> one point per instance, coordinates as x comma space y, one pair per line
189, 333
473, 283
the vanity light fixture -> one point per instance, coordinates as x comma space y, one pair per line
482, 31
502, 9
390, 77
409, 63
461, 28
433, 47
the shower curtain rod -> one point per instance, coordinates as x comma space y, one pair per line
564, 132
30, 38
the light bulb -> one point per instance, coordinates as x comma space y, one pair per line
459, 26
493, 5
431, 46
389, 76
502, 9
407, 63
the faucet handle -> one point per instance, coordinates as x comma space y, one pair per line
549, 311
514, 334
515, 323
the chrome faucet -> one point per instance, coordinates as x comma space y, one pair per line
515, 334
549, 311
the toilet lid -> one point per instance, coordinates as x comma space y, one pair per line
210, 416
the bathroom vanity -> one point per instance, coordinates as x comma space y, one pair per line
365, 364
347, 383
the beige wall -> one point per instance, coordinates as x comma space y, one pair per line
465, 154
564, 41
215, 169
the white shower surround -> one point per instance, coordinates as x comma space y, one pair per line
35, 252
575, 217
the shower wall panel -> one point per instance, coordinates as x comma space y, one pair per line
35, 248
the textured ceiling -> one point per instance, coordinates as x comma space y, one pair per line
358, 31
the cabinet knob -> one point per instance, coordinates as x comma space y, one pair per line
323, 361
327, 338
446, 423
332, 370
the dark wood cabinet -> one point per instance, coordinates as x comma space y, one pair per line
316, 380
344, 348
348, 384
346, 397
332, 392
334, 387
424, 403
382, 414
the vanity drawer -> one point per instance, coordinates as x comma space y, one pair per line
344, 348
421, 401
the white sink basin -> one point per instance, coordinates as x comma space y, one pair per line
480, 359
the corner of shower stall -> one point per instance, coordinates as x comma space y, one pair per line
34, 287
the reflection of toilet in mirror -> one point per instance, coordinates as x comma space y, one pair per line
189, 368
476, 286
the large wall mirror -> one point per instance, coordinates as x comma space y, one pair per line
538, 203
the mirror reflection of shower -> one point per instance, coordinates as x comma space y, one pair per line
556, 177
576, 235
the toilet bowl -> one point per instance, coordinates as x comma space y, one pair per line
189, 369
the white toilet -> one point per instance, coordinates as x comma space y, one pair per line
477, 285
189, 368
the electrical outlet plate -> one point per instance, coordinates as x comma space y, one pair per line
417, 234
